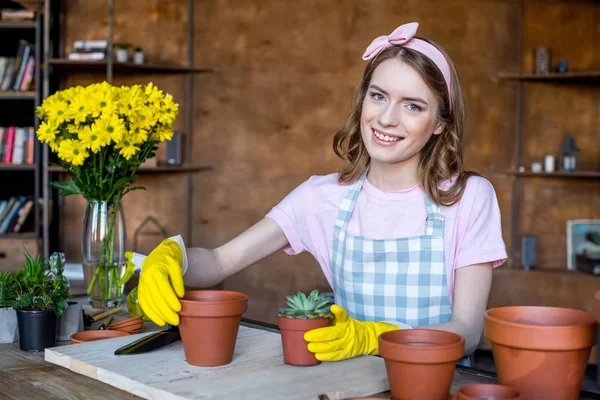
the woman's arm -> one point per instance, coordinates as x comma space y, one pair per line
471, 291
209, 267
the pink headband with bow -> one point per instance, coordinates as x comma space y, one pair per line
403, 36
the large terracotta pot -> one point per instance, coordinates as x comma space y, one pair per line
210, 320
295, 348
480, 391
541, 351
420, 363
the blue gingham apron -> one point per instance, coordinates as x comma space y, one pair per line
393, 280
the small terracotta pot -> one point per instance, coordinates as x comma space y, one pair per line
480, 391
93, 335
209, 324
420, 363
295, 348
541, 351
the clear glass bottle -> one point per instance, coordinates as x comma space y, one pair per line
569, 156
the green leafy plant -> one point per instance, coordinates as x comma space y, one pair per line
41, 285
303, 307
8, 293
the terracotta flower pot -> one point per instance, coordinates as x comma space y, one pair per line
420, 363
480, 391
93, 335
209, 324
295, 348
541, 351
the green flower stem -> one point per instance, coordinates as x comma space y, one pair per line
90, 288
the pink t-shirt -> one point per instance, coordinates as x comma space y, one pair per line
472, 232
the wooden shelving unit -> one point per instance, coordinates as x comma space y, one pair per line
57, 65
26, 181
17, 95
17, 25
17, 167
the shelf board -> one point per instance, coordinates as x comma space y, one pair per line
20, 236
17, 95
17, 24
153, 170
553, 76
573, 175
16, 167
545, 271
100, 66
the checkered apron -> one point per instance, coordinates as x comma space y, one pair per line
393, 280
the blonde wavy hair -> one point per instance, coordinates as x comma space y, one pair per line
442, 156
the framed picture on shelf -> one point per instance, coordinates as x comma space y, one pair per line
583, 245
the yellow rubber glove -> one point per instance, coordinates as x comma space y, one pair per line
161, 283
346, 338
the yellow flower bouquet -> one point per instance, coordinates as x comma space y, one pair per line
102, 134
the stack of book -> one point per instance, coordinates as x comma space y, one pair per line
16, 215
17, 73
17, 145
89, 50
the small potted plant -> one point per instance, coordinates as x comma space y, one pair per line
9, 331
122, 51
304, 313
41, 297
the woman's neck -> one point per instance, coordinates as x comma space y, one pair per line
393, 177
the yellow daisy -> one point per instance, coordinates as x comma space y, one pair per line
153, 93
128, 149
138, 133
57, 112
90, 140
110, 125
146, 117
164, 133
79, 109
72, 151
47, 132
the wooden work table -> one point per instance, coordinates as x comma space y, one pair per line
25, 375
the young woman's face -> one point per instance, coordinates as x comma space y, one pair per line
399, 114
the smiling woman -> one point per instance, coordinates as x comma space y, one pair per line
403, 234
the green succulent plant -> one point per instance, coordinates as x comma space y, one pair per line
303, 307
8, 292
41, 285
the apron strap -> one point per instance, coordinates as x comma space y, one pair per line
347, 206
435, 219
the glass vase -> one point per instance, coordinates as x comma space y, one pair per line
103, 248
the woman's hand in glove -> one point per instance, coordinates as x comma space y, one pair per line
346, 338
161, 283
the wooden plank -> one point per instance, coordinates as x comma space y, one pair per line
25, 375
257, 371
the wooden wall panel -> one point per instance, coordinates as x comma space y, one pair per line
285, 73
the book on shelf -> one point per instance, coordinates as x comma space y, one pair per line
17, 73
17, 145
17, 214
88, 50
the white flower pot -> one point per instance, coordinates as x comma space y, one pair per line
122, 55
70, 322
9, 329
